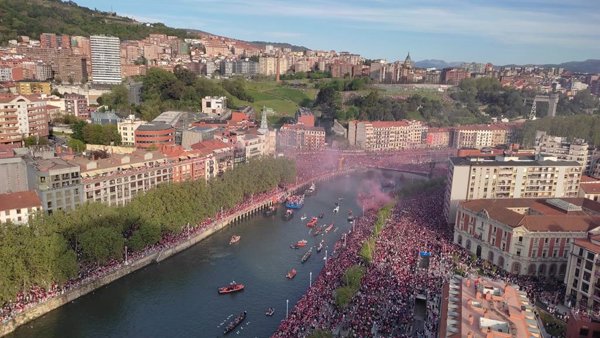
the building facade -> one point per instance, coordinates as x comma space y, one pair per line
578, 150
583, 273
301, 137
76, 104
21, 117
526, 236
386, 135
482, 136
214, 105
18, 207
57, 183
508, 177
154, 135
127, 128
106, 59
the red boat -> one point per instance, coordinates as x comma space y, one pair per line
299, 244
232, 287
291, 274
313, 221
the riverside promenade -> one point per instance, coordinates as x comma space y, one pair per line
157, 253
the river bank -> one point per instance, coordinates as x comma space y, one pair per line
123, 269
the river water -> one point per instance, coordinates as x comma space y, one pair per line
178, 297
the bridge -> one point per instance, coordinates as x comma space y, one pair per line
552, 100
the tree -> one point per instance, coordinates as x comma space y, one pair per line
184, 75
77, 128
77, 145
35, 141
101, 244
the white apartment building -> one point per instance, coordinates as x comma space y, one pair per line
127, 129
214, 105
386, 135
508, 177
17, 207
583, 273
578, 150
106, 59
481, 136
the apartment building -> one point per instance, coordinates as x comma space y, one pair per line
526, 236
482, 136
438, 137
223, 154
127, 128
301, 137
578, 150
20, 117
18, 207
34, 88
106, 59
56, 181
117, 179
76, 104
508, 177
386, 135
188, 165
214, 105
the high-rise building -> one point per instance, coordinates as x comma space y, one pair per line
106, 59
508, 177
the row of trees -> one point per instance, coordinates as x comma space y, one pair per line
95, 133
52, 247
572, 126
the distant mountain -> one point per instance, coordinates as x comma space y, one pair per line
294, 48
439, 64
587, 66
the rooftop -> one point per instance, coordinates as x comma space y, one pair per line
117, 161
511, 162
560, 215
154, 126
19, 200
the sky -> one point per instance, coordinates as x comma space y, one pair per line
497, 31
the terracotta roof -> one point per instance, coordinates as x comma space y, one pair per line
587, 244
541, 216
590, 188
211, 145
589, 179
19, 200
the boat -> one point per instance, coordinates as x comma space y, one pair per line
232, 287
289, 213
303, 217
316, 231
313, 221
336, 209
329, 227
350, 218
270, 211
306, 256
270, 311
294, 202
234, 239
291, 274
311, 190
299, 244
320, 247
237, 321
321, 215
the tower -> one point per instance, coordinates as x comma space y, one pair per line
408, 61
264, 126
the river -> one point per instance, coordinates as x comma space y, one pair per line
178, 297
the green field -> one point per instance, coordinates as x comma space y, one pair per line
406, 91
283, 99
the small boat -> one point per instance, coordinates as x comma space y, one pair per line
336, 209
294, 202
350, 216
311, 190
313, 221
232, 287
303, 217
291, 274
306, 256
321, 215
234, 239
270, 311
299, 244
320, 247
237, 321
270, 211
289, 213
329, 227
316, 231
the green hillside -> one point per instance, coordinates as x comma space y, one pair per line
33, 17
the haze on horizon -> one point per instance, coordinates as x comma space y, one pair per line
501, 32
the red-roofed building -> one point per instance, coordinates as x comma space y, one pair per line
526, 236
222, 153
17, 207
386, 135
301, 137
188, 165
590, 188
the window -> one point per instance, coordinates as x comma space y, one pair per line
590, 256
520, 239
518, 252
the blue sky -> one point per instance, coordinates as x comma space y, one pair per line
497, 31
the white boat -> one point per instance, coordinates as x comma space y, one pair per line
303, 217
336, 209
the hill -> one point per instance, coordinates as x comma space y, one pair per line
33, 17
294, 48
439, 64
587, 66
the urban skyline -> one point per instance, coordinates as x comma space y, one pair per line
528, 32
